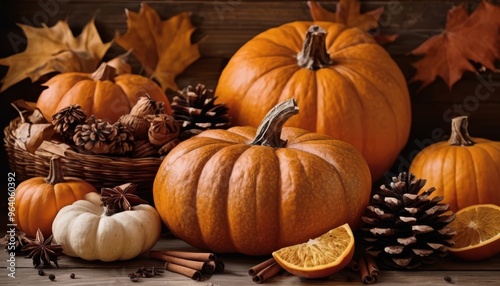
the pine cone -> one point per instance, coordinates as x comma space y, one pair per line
66, 119
163, 129
95, 136
124, 141
147, 106
405, 229
195, 110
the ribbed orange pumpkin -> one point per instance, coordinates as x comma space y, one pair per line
253, 192
101, 93
347, 86
39, 199
464, 170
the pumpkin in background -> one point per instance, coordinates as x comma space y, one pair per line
347, 86
255, 191
39, 199
101, 93
464, 170
90, 231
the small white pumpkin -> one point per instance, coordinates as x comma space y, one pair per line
84, 230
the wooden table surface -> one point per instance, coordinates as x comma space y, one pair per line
486, 272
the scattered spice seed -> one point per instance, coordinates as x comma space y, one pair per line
52, 277
448, 279
41, 272
72, 276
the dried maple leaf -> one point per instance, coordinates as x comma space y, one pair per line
164, 48
33, 129
466, 38
347, 13
54, 49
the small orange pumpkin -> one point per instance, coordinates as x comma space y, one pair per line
347, 86
101, 93
39, 199
464, 170
255, 191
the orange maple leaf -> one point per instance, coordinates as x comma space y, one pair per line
54, 49
164, 48
347, 13
466, 38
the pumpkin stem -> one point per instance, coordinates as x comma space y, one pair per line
104, 72
459, 134
314, 55
55, 171
269, 131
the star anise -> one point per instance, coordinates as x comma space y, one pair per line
42, 250
121, 198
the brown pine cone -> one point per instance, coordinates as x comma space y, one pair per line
163, 129
195, 110
66, 119
124, 141
404, 227
95, 136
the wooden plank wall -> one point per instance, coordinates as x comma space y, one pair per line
227, 24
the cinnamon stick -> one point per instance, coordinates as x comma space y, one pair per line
353, 265
366, 277
193, 264
259, 267
219, 266
191, 273
198, 256
267, 273
215, 266
372, 266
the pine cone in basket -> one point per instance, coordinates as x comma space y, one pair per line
95, 136
195, 110
124, 141
405, 229
66, 120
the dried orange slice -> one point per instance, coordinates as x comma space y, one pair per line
319, 257
478, 232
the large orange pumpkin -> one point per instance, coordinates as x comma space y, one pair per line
39, 199
101, 93
347, 86
255, 191
464, 170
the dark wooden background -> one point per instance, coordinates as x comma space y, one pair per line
226, 25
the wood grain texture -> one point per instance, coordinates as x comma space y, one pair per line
485, 272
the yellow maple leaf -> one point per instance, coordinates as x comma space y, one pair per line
164, 48
54, 49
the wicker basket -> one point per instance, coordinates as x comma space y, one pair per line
100, 171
